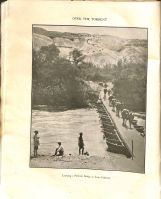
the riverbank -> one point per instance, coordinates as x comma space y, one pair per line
110, 162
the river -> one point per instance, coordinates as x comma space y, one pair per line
65, 127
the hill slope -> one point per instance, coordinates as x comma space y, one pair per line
98, 49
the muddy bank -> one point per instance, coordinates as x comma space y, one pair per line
111, 162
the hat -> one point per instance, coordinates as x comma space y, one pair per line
59, 143
36, 132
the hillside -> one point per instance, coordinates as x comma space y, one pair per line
98, 49
41, 40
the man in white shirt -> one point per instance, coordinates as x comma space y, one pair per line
59, 151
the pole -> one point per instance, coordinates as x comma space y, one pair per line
132, 149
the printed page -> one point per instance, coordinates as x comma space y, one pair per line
80, 100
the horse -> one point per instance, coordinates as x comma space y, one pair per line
125, 116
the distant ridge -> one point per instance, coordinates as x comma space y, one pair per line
100, 50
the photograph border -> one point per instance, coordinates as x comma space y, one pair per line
147, 52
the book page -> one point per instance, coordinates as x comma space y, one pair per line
81, 100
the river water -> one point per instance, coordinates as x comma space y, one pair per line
65, 127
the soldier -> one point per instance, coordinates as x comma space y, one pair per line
125, 115
36, 143
110, 99
109, 92
113, 102
105, 91
81, 144
105, 85
118, 108
131, 118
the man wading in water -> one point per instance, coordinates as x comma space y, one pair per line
81, 144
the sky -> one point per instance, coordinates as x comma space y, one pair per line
127, 33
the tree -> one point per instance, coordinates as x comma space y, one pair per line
130, 84
77, 56
56, 81
49, 53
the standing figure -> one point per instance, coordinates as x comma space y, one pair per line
99, 100
105, 91
125, 116
109, 92
81, 144
131, 118
105, 85
113, 104
119, 108
36, 143
59, 150
110, 99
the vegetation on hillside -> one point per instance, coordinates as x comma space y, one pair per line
61, 81
129, 82
57, 81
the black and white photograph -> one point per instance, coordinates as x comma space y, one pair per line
88, 97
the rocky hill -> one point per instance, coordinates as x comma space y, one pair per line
98, 49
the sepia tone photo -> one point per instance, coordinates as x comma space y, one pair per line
88, 98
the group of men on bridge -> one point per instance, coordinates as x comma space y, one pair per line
118, 107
